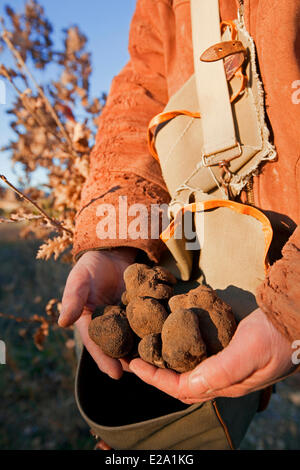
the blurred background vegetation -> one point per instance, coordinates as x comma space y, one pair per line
38, 409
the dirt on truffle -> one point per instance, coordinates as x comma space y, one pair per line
149, 350
113, 334
124, 300
146, 315
182, 345
114, 309
200, 323
216, 320
105, 309
142, 281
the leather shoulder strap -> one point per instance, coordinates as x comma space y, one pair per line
219, 134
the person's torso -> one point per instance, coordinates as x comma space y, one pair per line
276, 33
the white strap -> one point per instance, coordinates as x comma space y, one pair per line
215, 108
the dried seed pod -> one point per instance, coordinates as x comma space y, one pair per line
146, 316
113, 334
182, 345
140, 280
150, 350
216, 319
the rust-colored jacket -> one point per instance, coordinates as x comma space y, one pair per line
161, 60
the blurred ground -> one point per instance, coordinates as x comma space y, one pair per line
38, 410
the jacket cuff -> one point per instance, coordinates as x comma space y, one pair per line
279, 295
101, 221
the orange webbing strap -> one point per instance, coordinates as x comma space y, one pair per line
244, 80
239, 73
232, 26
161, 118
237, 207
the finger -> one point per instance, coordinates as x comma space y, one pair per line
106, 364
125, 364
165, 380
260, 379
174, 384
75, 297
192, 401
230, 366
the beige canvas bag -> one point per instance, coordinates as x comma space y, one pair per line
205, 161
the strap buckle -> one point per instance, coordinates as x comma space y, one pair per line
217, 157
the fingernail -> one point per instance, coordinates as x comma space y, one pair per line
62, 322
115, 376
196, 380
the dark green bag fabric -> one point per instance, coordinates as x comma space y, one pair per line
129, 414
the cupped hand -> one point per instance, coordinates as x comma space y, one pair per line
96, 279
257, 356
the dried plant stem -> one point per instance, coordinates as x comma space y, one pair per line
21, 62
31, 111
20, 219
34, 318
53, 222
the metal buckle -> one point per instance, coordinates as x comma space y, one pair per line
205, 156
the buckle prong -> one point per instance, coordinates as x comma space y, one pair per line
205, 156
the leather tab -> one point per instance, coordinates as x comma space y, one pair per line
221, 50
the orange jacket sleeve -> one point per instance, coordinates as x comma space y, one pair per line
120, 163
279, 295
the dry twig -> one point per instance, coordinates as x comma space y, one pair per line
58, 226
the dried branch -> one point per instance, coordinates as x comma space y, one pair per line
22, 96
53, 222
50, 108
32, 319
4, 220
54, 127
54, 124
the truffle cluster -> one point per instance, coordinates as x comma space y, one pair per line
169, 331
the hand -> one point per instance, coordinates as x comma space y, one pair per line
257, 356
96, 279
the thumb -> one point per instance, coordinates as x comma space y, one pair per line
220, 371
75, 296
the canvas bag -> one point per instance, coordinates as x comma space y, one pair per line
129, 414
